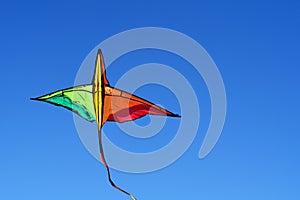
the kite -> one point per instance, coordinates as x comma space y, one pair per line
101, 102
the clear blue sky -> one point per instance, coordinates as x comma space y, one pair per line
255, 45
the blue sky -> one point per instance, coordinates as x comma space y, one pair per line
255, 45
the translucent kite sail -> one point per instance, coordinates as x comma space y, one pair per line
100, 102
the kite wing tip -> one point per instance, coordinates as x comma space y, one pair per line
36, 99
176, 115
173, 115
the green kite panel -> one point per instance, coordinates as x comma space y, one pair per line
77, 99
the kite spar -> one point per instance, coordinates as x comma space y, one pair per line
100, 102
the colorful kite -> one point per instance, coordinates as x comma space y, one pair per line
100, 102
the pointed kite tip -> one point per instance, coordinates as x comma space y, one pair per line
36, 99
175, 115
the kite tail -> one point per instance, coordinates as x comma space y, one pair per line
107, 168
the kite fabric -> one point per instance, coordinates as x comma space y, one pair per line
100, 102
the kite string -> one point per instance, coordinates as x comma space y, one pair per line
107, 168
